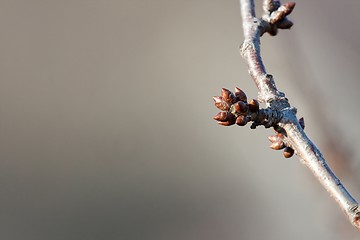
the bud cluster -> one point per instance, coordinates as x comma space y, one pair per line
276, 15
235, 108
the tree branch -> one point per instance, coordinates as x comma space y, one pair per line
278, 113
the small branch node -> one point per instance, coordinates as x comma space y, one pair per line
236, 110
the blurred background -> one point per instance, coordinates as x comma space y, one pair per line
106, 127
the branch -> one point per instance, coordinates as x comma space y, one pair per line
278, 113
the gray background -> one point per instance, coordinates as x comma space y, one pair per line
106, 127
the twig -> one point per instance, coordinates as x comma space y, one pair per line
278, 112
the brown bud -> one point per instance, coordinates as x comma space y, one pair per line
273, 30
217, 99
288, 7
241, 96
280, 14
225, 118
241, 107
277, 145
241, 120
274, 138
285, 24
288, 152
221, 116
221, 104
254, 105
227, 123
230, 117
228, 96
302, 123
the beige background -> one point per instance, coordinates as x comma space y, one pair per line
106, 127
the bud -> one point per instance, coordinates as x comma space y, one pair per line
288, 152
241, 107
228, 96
285, 24
221, 116
227, 123
217, 99
230, 117
288, 7
274, 138
221, 104
241, 120
225, 118
277, 145
241, 96
254, 105
273, 30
